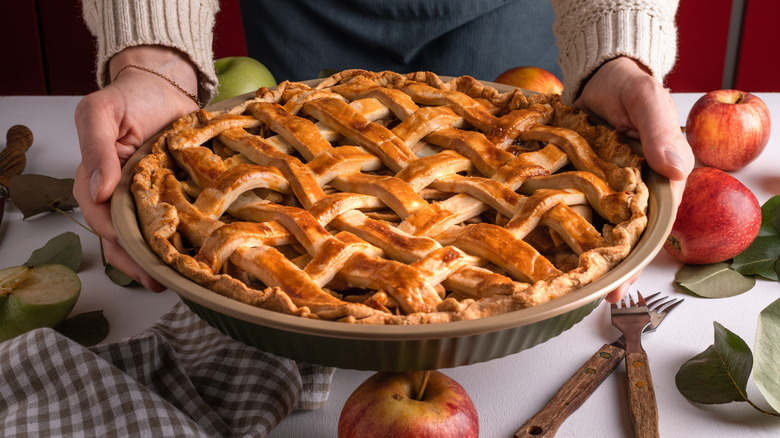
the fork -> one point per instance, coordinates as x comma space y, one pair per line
631, 318
659, 307
590, 375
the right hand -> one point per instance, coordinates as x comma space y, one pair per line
115, 121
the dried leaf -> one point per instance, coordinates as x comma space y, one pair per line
87, 328
767, 357
64, 249
717, 280
34, 194
720, 373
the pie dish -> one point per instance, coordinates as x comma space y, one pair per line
390, 199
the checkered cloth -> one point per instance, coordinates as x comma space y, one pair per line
181, 377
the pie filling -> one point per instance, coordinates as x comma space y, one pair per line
377, 197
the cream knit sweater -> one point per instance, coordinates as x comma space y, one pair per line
589, 33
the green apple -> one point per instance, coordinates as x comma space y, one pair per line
40, 296
240, 74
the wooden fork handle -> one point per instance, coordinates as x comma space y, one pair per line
641, 395
573, 393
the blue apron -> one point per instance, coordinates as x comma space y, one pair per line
297, 39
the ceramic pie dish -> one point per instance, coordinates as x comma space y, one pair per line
391, 347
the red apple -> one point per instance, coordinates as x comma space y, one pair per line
717, 219
727, 129
531, 78
387, 404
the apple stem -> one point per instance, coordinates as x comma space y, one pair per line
423, 384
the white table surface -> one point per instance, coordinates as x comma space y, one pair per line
506, 391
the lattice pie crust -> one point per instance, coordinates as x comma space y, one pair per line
391, 199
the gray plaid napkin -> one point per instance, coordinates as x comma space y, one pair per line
181, 377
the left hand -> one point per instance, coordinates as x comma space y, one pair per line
627, 96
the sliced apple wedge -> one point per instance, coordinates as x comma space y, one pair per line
41, 296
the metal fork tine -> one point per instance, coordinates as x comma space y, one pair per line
651, 302
657, 304
641, 299
649, 297
670, 305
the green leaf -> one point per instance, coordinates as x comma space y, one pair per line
34, 194
766, 373
777, 267
770, 212
720, 373
118, 277
759, 258
64, 249
767, 230
716, 280
87, 328
775, 219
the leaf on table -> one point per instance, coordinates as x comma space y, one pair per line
777, 267
767, 357
767, 230
34, 194
64, 249
770, 212
87, 328
716, 280
759, 258
117, 276
720, 373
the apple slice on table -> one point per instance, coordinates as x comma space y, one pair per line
34, 297
410, 404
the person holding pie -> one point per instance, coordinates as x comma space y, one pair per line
612, 57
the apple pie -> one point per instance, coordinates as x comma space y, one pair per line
386, 198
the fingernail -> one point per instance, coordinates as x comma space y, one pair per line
673, 159
95, 184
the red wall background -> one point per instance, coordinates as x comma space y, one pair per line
47, 49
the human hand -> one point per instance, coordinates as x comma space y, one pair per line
115, 121
623, 93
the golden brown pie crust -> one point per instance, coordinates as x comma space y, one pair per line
377, 197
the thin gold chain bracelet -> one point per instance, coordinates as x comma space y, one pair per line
156, 73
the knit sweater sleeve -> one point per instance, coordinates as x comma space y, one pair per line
186, 25
592, 32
